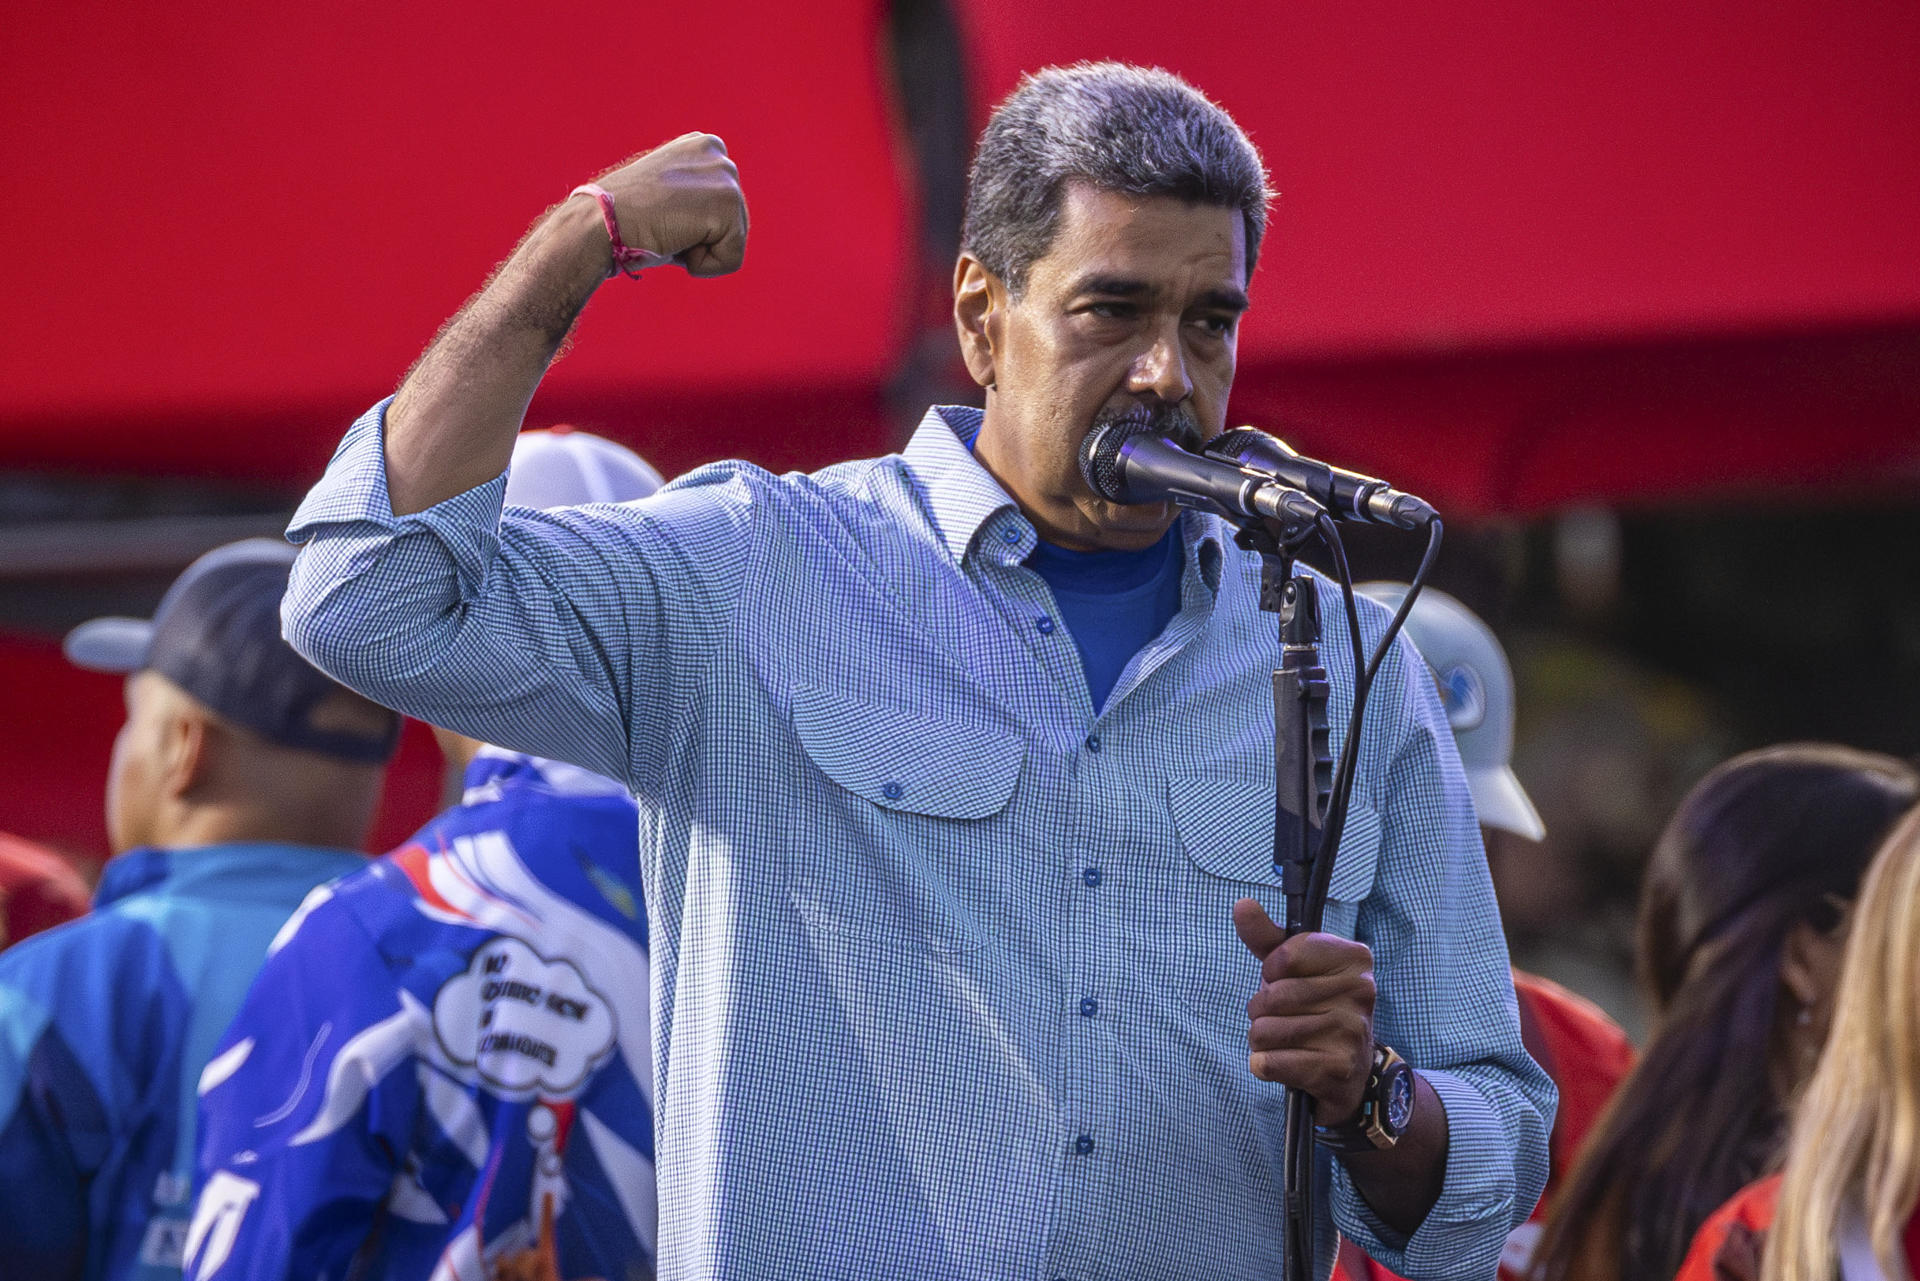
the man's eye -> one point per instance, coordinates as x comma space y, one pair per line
1112, 310
1219, 326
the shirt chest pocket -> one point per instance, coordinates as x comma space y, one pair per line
1225, 824
899, 839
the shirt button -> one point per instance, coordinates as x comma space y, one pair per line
1092, 877
1083, 1144
1093, 742
892, 791
1088, 1007
1010, 534
1044, 624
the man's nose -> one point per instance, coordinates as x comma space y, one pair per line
1161, 370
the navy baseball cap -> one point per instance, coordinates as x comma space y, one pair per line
217, 636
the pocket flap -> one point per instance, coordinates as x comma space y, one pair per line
908, 761
1225, 822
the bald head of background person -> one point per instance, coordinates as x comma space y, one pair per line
241, 781
184, 776
230, 736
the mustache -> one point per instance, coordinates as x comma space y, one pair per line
1175, 421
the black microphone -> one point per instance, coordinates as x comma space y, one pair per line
1129, 462
1347, 494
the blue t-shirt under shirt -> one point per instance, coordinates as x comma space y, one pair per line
1113, 603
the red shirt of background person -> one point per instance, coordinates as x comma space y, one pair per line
1728, 1245
1585, 1052
37, 890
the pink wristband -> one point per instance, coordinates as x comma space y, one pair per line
631, 261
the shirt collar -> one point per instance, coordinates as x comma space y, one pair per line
961, 495
964, 498
143, 869
1203, 536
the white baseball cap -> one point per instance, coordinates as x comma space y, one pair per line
1476, 688
561, 467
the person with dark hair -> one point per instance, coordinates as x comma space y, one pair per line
1845, 1205
1742, 918
242, 779
957, 779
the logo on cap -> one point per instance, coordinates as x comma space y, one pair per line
1463, 695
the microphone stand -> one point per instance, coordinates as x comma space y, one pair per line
1303, 782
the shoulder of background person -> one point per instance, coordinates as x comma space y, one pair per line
103, 988
1736, 1227
1586, 1053
24, 863
38, 890
1573, 1024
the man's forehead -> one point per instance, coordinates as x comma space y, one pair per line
1129, 244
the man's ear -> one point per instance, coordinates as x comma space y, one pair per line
186, 752
979, 314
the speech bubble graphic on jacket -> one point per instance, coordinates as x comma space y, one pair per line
526, 1024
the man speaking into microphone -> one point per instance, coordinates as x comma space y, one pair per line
956, 779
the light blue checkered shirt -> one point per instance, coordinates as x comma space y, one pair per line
947, 984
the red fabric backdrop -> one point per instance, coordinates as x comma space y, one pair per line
1526, 254
1500, 172
235, 225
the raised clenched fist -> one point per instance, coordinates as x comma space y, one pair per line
683, 200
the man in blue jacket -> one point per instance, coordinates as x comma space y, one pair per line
445, 1069
242, 779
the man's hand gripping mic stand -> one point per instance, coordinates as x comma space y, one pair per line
1303, 785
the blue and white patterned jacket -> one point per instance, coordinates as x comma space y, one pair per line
444, 1048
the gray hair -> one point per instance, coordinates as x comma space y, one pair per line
1134, 130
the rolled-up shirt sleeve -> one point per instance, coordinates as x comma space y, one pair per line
1446, 1002
574, 633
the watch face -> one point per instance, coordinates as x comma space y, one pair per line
1399, 1108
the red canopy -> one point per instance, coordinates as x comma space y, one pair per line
235, 225
1568, 235
1499, 172
1529, 254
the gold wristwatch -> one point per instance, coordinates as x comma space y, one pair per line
1386, 1109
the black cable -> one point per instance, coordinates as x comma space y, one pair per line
1337, 549
1434, 531
1342, 790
